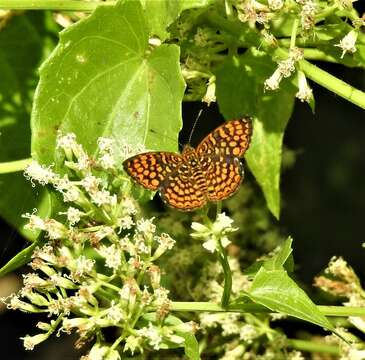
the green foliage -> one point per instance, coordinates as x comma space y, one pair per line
240, 92
22, 43
123, 72
273, 288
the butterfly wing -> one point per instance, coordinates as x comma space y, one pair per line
224, 176
181, 191
152, 168
230, 139
219, 152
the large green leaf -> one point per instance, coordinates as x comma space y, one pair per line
103, 79
278, 292
22, 42
163, 12
240, 92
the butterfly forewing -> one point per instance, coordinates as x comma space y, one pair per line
230, 139
152, 168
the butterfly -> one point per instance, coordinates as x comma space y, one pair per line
210, 172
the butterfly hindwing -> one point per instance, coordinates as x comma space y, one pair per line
224, 177
152, 168
182, 192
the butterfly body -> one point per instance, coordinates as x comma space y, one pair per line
210, 172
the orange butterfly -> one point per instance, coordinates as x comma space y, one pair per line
211, 172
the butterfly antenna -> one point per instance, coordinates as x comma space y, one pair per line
195, 122
167, 137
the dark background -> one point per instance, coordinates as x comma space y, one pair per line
323, 197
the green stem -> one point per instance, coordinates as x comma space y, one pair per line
227, 276
294, 33
318, 55
313, 346
333, 84
256, 308
69, 5
13, 166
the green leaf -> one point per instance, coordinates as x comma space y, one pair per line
104, 80
240, 92
22, 42
191, 345
22, 257
161, 14
277, 291
277, 261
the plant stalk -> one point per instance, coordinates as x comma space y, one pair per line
344, 311
68, 5
14, 166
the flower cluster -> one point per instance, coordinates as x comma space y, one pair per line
340, 280
96, 267
285, 69
215, 234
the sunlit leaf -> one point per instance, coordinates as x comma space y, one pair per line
278, 292
105, 80
162, 13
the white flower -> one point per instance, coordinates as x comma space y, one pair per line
107, 161
35, 222
73, 215
210, 245
152, 334
200, 230
308, 13
133, 343
83, 160
115, 314
276, 4
129, 206
126, 222
146, 226
41, 173
209, 96
305, 93
347, 44
30, 341
140, 245
166, 242
248, 333
112, 255
129, 289
234, 354
55, 229
161, 295
272, 83
223, 223
66, 142
83, 266
105, 144
32, 280
103, 197
90, 183
72, 194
